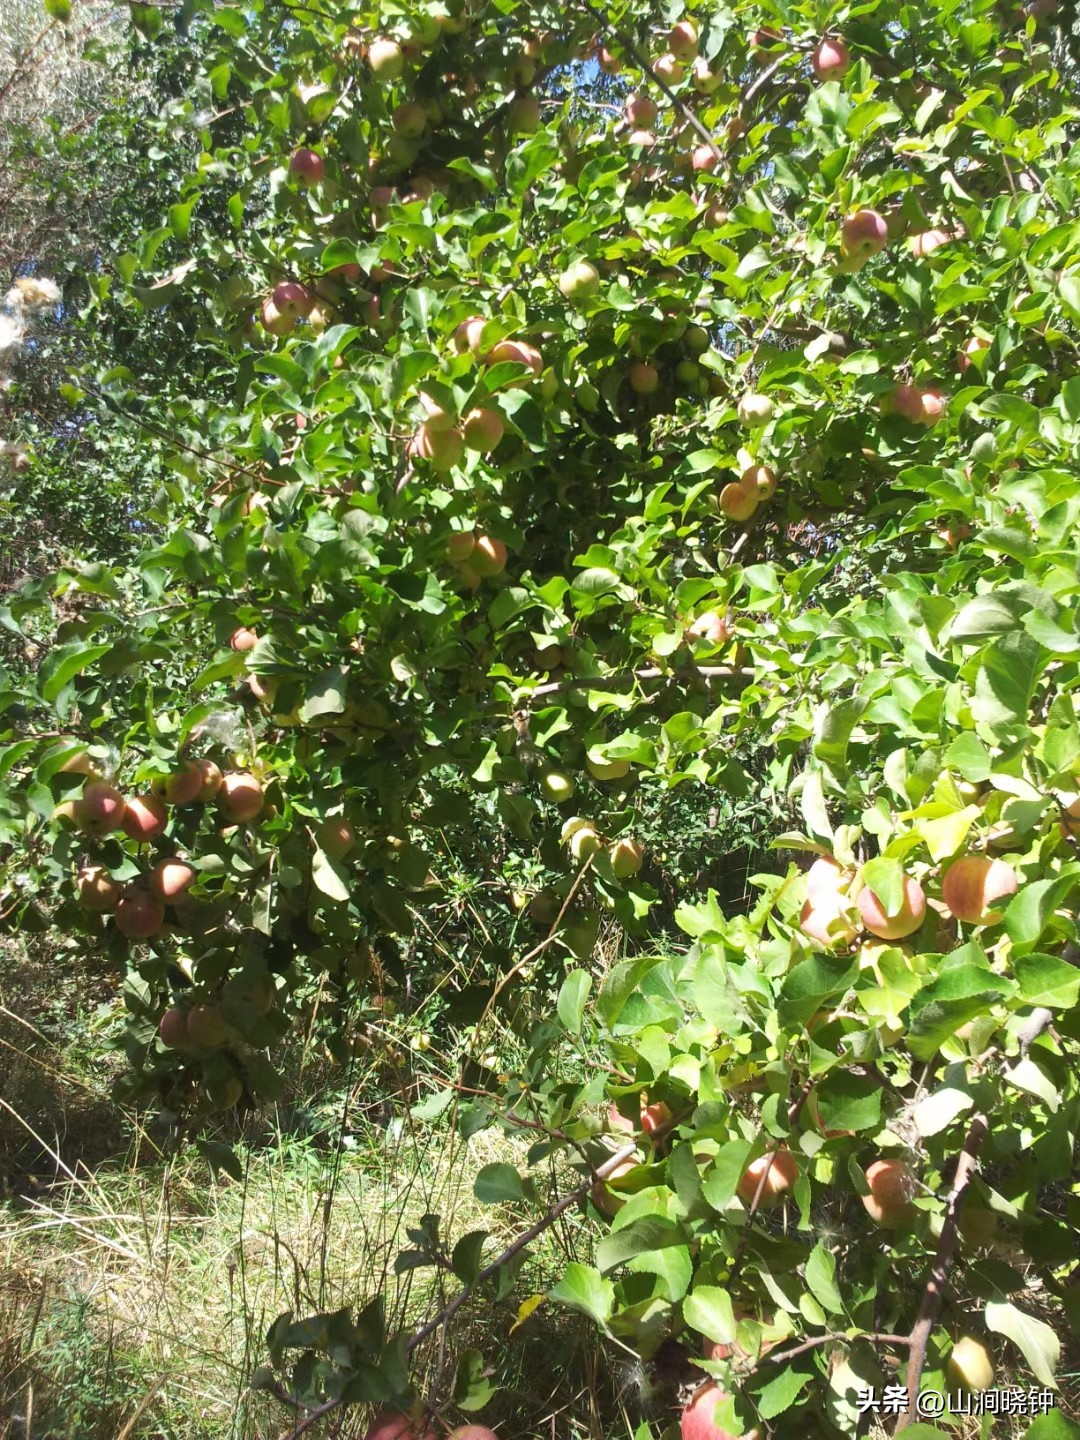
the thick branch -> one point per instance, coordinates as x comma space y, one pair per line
966, 1166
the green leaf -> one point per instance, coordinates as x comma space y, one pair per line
325, 696
708, 1310
498, 1184
779, 1394
573, 995
467, 1255
1030, 1077
329, 876
58, 10
982, 618
821, 1280
1005, 681
583, 1288
649, 1232
61, 666
938, 1111
1035, 1340
1052, 1426
1046, 980
886, 879
845, 1102
1032, 907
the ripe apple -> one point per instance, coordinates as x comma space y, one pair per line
436, 415
626, 857
737, 501
783, 1172
100, 809
580, 280
396, 1425
970, 1366
518, 351
670, 70
927, 241
243, 640
523, 116
713, 626
830, 60
460, 546
862, 235
972, 352
715, 217
77, 763
644, 378
683, 40
275, 321
98, 892
468, 334
472, 1432
145, 818
893, 927
335, 837
170, 878
139, 915
183, 787
754, 410
932, 405
641, 112
442, 449
971, 885
291, 298
607, 1201
308, 167
409, 119
206, 1028
557, 785
892, 1186
385, 58
211, 780
704, 159
607, 62
759, 480
488, 556
240, 796
827, 919
482, 429
697, 1421
172, 1028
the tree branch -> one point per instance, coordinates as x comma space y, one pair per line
780, 1357
966, 1166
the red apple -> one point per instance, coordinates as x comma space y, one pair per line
520, 352
830, 60
211, 780
184, 786
697, 1421
482, 430
488, 556
145, 818
892, 1186
335, 837
307, 166
971, 886
704, 159
468, 333
713, 626
395, 1425
172, 1028
683, 40
641, 112
644, 378
893, 927
783, 1171
927, 241
243, 640
205, 1027
827, 919
738, 501
139, 915
862, 235
442, 449
240, 796
170, 878
670, 70
409, 119
971, 353
100, 809
98, 892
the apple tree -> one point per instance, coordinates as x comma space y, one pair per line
583, 406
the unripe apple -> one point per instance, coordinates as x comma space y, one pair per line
520, 352
759, 480
100, 809
862, 235
754, 410
139, 915
172, 1028
737, 501
184, 786
608, 1201
584, 842
385, 58
783, 1171
893, 927
830, 60
670, 70
607, 62
557, 785
240, 797
641, 112
579, 281
892, 1186
307, 167
206, 1028
523, 116
607, 769
704, 81
78, 763
145, 818
460, 546
713, 626
970, 1366
409, 119
696, 339
626, 857
170, 878
442, 449
335, 837
972, 884
211, 781
716, 217
488, 556
98, 892
482, 430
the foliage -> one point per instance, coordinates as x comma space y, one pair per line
777, 498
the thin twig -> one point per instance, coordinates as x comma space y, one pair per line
780, 1357
966, 1166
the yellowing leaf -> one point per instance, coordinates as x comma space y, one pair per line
527, 1308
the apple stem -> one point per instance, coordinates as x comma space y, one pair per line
966, 1166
